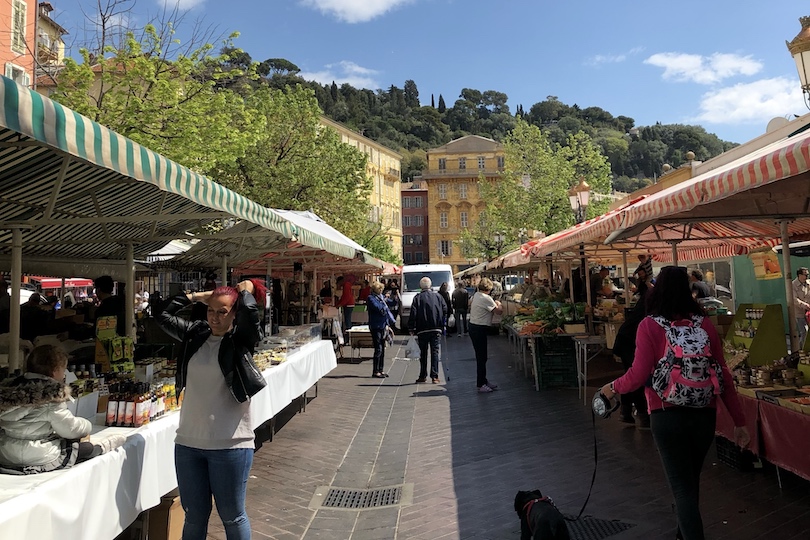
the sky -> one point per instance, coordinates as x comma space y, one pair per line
720, 64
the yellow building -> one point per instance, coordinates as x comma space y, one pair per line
50, 48
454, 202
384, 166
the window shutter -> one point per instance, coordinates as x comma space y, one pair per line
26, 80
9, 70
449, 248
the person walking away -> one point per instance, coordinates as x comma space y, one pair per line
380, 322
446, 296
699, 287
625, 348
214, 445
428, 313
460, 301
346, 301
482, 308
37, 431
801, 303
682, 410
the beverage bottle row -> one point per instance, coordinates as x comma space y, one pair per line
133, 404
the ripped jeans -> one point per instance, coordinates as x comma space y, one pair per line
221, 473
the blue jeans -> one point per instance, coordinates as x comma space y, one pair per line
683, 437
461, 322
221, 473
429, 339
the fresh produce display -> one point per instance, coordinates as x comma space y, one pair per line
544, 317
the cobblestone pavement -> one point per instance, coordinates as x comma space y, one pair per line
466, 454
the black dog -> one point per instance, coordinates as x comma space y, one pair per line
539, 518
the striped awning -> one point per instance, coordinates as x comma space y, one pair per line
78, 190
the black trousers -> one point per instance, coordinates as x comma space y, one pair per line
683, 437
478, 336
378, 339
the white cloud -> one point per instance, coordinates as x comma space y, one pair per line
712, 69
600, 59
183, 5
344, 72
355, 11
751, 103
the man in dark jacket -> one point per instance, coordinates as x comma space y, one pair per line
461, 302
428, 313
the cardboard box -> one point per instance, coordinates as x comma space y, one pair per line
166, 519
84, 406
144, 373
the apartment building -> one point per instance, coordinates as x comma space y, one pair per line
415, 236
50, 47
17, 39
454, 202
384, 166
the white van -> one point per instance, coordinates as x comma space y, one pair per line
411, 274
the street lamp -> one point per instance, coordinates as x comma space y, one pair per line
800, 50
579, 196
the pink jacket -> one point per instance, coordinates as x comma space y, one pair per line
650, 347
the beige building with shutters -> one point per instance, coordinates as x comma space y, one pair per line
384, 168
454, 202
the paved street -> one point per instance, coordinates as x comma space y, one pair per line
465, 456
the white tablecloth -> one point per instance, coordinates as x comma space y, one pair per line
100, 498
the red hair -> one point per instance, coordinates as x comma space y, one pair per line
227, 291
259, 292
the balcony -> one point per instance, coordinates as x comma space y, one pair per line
447, 173
47, 54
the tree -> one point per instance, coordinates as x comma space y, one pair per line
411, 94
442, 105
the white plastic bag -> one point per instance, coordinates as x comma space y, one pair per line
412, 348
451, 321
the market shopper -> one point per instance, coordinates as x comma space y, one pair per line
699, 287
214, 443
461, 301
380, 322
449, 303
482, 308
428, 313
393, 299
344, 283
37, 431
683, 435
801, 302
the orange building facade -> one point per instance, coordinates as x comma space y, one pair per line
18, 21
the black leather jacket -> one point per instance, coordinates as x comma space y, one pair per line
235, 352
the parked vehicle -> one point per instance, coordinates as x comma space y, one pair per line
412, 274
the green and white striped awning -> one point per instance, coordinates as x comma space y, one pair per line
81, 191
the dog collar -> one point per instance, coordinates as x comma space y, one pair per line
528, 508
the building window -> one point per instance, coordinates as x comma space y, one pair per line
406, 221
462, 191
463, 219
500, 162
18, 21
417, 239
462, 163
406, 202
442, 163
418, 221
417, 202
407, 256
442, 191
482, 162
17, 74
418, 257
445, 248
443, 220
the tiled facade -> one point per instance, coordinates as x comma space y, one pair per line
415, 236
454, 202
384, 166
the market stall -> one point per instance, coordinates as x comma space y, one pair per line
99, 498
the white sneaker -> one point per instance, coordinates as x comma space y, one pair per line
492, 385
111, 443
484, 389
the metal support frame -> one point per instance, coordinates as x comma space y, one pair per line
788, 275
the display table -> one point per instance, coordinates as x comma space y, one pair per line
360, 338
584, 344
778, 435
100, 498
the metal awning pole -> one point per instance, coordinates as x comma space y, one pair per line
269, 300
788, 274
674, 253
225, 270
627, 295
14, 358
129, 317
62, 295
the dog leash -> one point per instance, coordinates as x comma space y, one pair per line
595, 463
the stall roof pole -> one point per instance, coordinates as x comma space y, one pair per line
225, 270
788, 273
268, 331
571, 283
627, 295
674, 244
130, 296
14, 360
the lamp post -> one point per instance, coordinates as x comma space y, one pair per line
579, 196
800, 50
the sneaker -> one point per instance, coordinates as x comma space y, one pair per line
484, 389
110, 444
492, 385
435, 380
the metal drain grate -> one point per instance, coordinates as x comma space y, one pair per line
362, 499
590, 528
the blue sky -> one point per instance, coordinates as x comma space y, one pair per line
721, 64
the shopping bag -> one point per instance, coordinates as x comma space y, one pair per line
451, 321
412, 348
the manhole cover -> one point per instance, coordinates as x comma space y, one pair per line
591, 528
362, 499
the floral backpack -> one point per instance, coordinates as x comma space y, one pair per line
687, 375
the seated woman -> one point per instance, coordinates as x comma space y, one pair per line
37, 431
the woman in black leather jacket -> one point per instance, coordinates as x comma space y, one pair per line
214, 442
